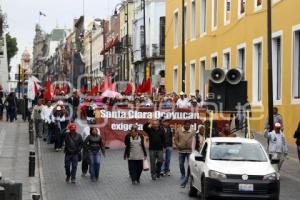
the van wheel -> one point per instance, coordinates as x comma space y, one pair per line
192, 191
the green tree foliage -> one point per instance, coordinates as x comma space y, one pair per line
12, 47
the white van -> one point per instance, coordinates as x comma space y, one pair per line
233, 168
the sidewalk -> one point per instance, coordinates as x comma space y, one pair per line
14, 156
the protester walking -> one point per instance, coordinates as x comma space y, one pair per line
74, 102
277, 148
198, 139
277, 118
135, 152
73, 146
85, 153
297, 137
46, 116
183, 142
57, 118
93, 143
11, 107
156, 147
168, 133
38, 119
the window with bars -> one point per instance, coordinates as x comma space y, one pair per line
193, 20
203, 16
162, 27
176, 37
257, 75
214, 14
214, 62
277, 58
242, 7
227, 12
241, 60
296, 65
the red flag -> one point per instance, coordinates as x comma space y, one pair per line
95, 90
47, 95
106, 84
147, 86
36, 91
139, 89
128, 89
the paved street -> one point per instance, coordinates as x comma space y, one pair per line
114, 181
115, 184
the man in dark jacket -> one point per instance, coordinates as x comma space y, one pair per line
168, 132
73, 146
74, 101
156, 146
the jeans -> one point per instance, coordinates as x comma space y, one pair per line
71, 162
12, 114
167, 159
85, 161
95, 164
182, 158
135, 169
38, 127
156, 160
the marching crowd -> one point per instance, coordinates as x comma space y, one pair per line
54, 123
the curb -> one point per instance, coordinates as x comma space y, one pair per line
41, 174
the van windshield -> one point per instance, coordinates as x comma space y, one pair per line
237, 152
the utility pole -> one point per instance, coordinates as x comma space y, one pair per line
270, 70
144, 45
183, 46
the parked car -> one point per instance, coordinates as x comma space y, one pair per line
233, 168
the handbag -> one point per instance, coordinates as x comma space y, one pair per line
145, 165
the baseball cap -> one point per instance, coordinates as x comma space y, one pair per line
72, 127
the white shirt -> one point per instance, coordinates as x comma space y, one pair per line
183, 103
86, 132
46, 114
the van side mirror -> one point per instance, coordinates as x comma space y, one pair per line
200, 158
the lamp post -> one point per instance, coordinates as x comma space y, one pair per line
183, 47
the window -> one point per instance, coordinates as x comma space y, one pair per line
227, 11
257, 5
192, 77
184, 23
226, 59
296, 64
241, 8
257, 72
203, 16
193, 20
175, 80
142, 31
202, 79
214, 62
176, 38
162, 30
214, 14
277, 67
241, 60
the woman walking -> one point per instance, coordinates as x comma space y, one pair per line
135, 152
58, 118
93, 143
297, 137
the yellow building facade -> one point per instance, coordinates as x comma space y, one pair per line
233, 33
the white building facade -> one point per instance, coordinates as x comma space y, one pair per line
4, 65
155, 39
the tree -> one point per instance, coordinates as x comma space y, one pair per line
12, 47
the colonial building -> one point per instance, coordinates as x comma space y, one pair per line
229, 34
149, 60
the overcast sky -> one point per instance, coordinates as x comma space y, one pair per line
23, 15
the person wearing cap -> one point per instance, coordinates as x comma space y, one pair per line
168, 133
93, 144
277, 118
277, 147
182, 102
135, 153
38, 118
73, 146
58, 119
183, 141
46, 116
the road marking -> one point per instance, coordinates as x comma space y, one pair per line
2, 137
